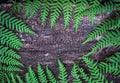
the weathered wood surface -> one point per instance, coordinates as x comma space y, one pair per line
48, 45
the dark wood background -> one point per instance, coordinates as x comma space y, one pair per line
48, 45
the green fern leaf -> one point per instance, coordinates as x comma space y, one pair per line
35, 8
7, 37
9, 61
13, 80
106, 25
7, 78
10, 68
19, 79
16, 7
62, 73
4, 51
2, 77
108, 68
102, 8
84, 76
80, 7
50, 76
27, 8
111, 39
31, 8
41, 75
67, 10
94, 70
14, 23
56, 10
27, 78
74, 73
114, 58
94, 3
45, 11
32, 76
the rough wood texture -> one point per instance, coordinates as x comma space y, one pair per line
47, 45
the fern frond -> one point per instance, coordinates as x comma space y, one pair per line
94, 70
74, 73
41, 75
102, 8
108, 68
32, 77
45, 11
27, 78
7, 37
13, 80
9, 68
80, 7
19, 79
114, 58
106, 25
56, 8
2, 77
67, 10
116, 0
10, 61
94, 3
27, 8
111, 39
50, 76
31, 8
62, 73
16, 7
14, 23
7, 78
84, 76
5, 51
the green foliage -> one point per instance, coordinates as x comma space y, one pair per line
44, 11
41, 74
62, 73
67, 10
17, 7
31, 77
94, 71
80, 8
108, 30
115, 58
74, 73
103, 27
97, 72
9, 42
50, 76
47, 77
84, 76
111, 39
14, 23
10, 78
111, 64
31, 8
56, 10
7, 37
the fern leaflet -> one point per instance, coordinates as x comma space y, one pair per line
56, 10
62, 73
41, 74
50, 76
67, 10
